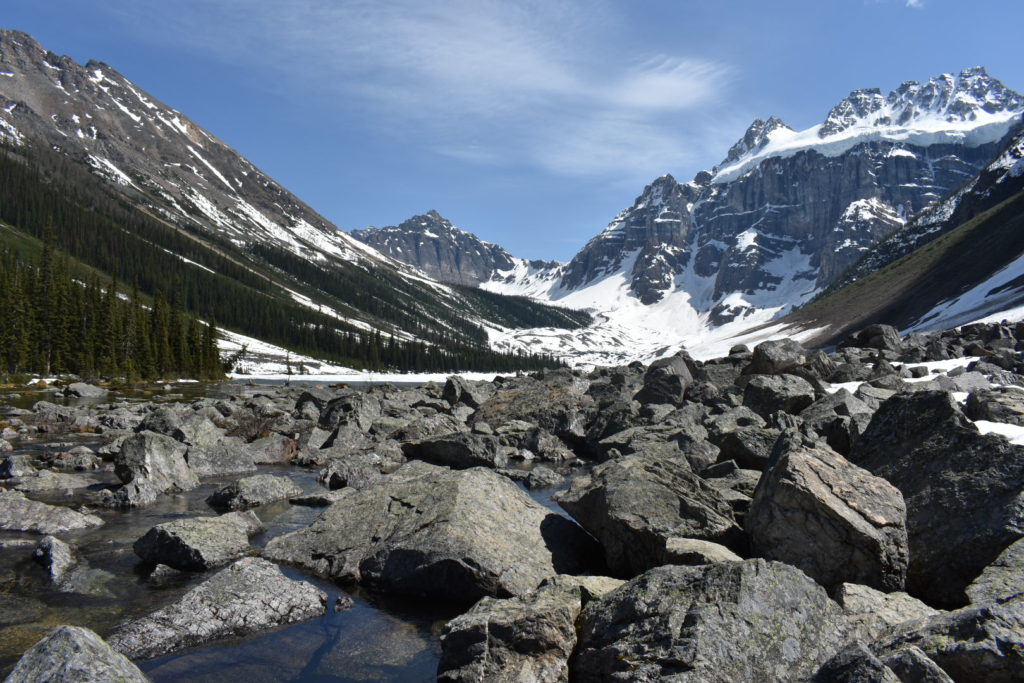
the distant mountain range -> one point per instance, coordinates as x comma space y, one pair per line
783, 217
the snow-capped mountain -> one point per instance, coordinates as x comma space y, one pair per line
157, 161
444, 252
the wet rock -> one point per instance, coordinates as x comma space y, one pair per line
83, 390
634, 505
776, 357
200, 543
250, 596
70, 654
249, 492
13, 466
734, 621
871, 613
56, 556
833, 520
767, 394
666, 380
460, 450
150, 465
541, 477
963, 490
1002, 578
434, 532
18, 513
525, 638
272, 450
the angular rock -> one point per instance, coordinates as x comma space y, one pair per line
250, 596
964, 491
355, 472
666, 380
200, 543
877, 336
1002, 404
71, 654
855, 664
870, 613
749, 447
735, 621
460, 390
228, 455
634, 505
1002, 578
15, 466
250, 492
775, 357
767, 394
541, 477
434, 532
149, 465
694, 551
56, 556
461, 450
272, 450
833, 520
18, 513
525, 638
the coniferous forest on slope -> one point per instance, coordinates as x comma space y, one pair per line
44, 193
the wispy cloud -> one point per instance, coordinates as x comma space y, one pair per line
558, 84
916, 4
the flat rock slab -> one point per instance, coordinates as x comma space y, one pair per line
736, 621
69, 654
200, 543
434, 532
249, 492
250, 596
634, 505
839, 523
18, 513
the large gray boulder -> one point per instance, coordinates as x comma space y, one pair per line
871, 613
460, 450
1002, 578
735, 621
71, 654
435, 532
272, 450
200, 543
666, 380
461, 390
964, 491
250, 596
635, 505
83, 390
524, 638
775, 357
815, 510
150, 465
768, 394
250, 492
228, 455
1001, 404
18, 513
15, 466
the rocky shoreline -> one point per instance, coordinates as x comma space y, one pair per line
775, 514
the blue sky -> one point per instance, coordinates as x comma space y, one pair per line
529, 122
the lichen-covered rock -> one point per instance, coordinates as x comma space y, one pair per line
735, 621
18, 513
524, 638
56, 556
151, 464
666, 380
837, 522
775, 357
70, 654
250, 596
435, 532
964, 491
249, 492
870, 613
200, 543
1002, 578
272, 450
767, 394
461, 390
634, 505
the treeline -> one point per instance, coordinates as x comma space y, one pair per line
54, 324
42, 190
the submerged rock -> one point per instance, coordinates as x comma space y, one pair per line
250, 596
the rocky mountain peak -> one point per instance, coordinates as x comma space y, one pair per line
757, 136
859, 105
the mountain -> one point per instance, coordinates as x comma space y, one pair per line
782, 217
444, 252
201, 222
960, 261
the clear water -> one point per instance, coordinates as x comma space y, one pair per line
382, 638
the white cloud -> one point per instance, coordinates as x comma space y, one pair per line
916, 4
554, 83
